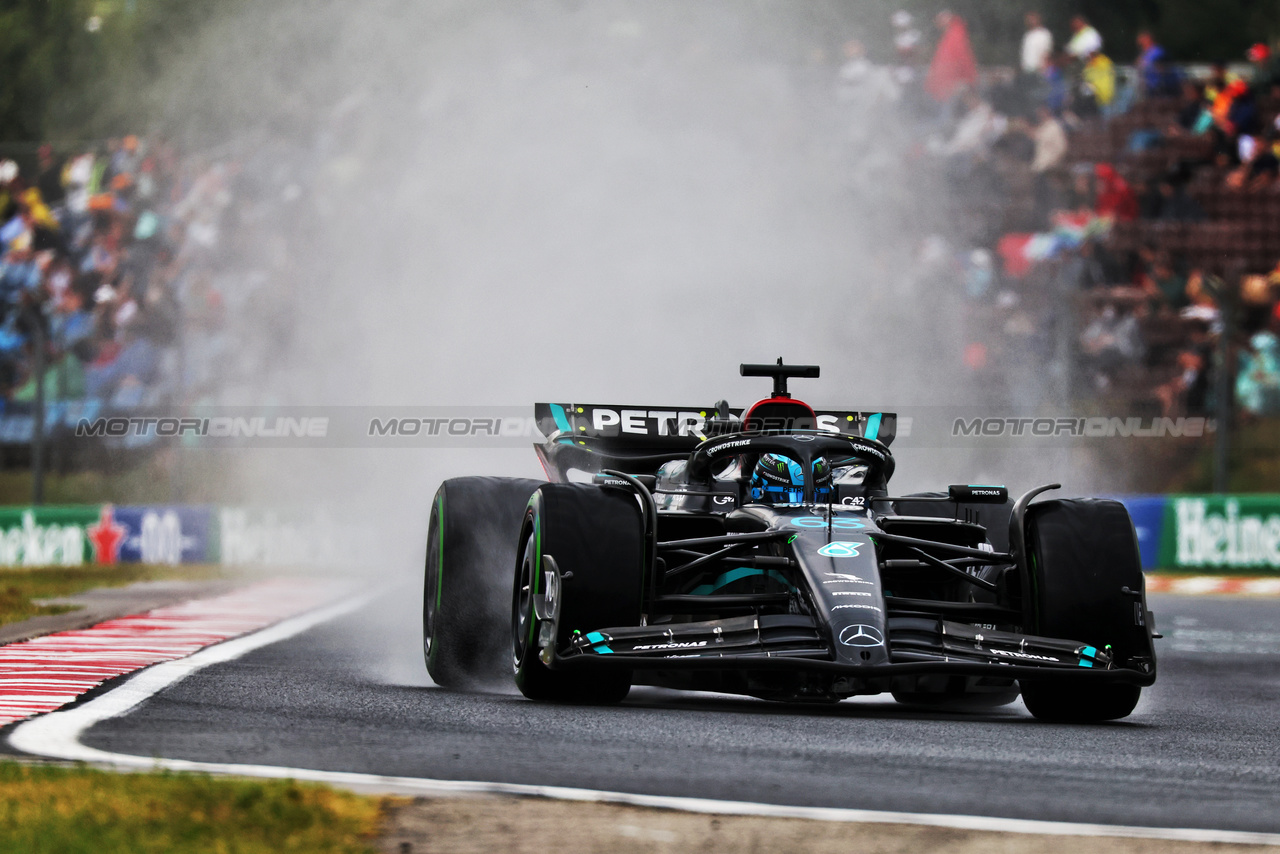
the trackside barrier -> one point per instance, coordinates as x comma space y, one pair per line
177, 534
1208, 534
1147, 512
1214, 534
1221, 533
106, 534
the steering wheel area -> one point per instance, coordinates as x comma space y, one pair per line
803, 446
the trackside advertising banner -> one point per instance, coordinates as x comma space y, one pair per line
176, 534
257, 536
1228, 534
1147, 512
171, 534
1224, 533
47, 536
104, 534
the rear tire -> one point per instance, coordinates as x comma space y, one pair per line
1081, 553
596, 535
470, 549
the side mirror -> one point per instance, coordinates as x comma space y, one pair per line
978, 494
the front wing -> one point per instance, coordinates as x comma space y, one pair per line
917, 644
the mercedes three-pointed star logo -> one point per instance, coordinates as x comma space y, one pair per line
861, 635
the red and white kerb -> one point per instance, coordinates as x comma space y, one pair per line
42, 674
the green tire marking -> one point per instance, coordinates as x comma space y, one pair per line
440, 564
1035, 588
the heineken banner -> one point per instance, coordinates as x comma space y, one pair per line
70, 536
1200, 533
51, 536
1222, 533
254, 535
173, 534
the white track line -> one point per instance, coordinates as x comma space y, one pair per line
57, 735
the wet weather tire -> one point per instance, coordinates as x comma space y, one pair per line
596, 536
1081, 553
470, 551
1068, 703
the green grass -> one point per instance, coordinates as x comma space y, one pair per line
189, 477
137, 486
1253, 465
1185, 465
47, 809
18, 587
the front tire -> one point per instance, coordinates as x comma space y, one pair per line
1066, 703
1081, 553
957, 699
596, 535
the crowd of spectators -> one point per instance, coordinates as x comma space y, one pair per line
116, 259
1104, 213
1120, 223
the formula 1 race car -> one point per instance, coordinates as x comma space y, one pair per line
760, 553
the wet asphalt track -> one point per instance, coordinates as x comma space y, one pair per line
1202, 749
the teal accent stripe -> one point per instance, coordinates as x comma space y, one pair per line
736, 575
595, 637
1084, 663
602, 649
1090, 652
873, 427
562, 420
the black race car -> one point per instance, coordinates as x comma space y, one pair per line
761, 553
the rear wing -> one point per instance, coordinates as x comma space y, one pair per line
656, 429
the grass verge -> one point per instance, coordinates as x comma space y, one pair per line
19, 587
73, 810
186, 477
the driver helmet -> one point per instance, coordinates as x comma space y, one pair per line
780, 480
